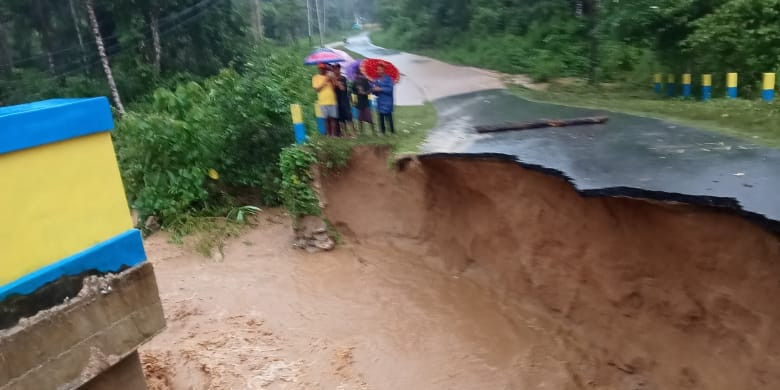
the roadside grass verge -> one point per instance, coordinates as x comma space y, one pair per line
412, 125
754, 120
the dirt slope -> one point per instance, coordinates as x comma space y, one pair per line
642, 295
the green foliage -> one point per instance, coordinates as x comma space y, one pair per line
240, 215
554, 38
235, 123
742, 37
298, 196
48, 51
165, 155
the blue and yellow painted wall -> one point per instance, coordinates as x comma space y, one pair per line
62, 202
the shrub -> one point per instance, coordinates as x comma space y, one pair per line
235, 123
296, 191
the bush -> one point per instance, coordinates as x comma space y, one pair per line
296, 191
165, 157
233, 125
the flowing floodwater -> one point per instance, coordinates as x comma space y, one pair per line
366, 316
472, 273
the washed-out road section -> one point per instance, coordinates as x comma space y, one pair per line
629, 156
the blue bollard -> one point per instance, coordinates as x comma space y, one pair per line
686, 85
768, 92
670, 86
731, 85
706, 87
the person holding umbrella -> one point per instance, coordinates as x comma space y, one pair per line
383, 89
362, 88
324, 84
342, 102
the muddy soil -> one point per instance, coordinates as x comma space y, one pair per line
475, 274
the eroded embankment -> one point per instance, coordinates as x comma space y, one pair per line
646, 295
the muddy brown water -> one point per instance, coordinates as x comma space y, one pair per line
475, 274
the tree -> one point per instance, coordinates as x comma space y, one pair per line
154, 26
77, 27
103, 57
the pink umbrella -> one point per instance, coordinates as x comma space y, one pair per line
344, 55
323, 56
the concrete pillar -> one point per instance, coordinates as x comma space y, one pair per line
128, 374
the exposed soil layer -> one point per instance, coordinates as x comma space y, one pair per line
641, 295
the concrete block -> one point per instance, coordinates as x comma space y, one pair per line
69, 345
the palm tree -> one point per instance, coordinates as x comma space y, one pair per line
103, 57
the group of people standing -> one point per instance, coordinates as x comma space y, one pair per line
334, 98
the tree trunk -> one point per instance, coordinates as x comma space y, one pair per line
258, 9
42, 24
103, 57
308, 19
154, 18
7, 54
75, 18
319, 21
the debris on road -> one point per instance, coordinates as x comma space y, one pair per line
596, 120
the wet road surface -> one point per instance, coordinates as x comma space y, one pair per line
629, 156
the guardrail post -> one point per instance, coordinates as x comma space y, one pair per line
686, 85
768, 93
706, 87
298, 126
670, 86
731, 85
658, 83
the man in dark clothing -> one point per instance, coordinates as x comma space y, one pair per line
385, 102
361, 88
342, 100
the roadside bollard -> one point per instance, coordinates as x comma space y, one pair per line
670, 87
320, 119
298, 126
686, 85
731, 85
657, 84
768, 92
706, 87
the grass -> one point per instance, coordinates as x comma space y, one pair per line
208, 232
412, 125
753, 120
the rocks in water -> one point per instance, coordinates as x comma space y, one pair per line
312, 235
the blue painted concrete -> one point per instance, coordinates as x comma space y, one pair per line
300, 133
40, 123
123, 250
706, 93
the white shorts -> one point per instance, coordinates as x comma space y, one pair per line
330, 112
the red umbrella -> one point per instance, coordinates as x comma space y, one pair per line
369, 68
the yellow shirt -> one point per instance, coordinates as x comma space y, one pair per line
326, 96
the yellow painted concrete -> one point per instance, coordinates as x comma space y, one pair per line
57, 200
